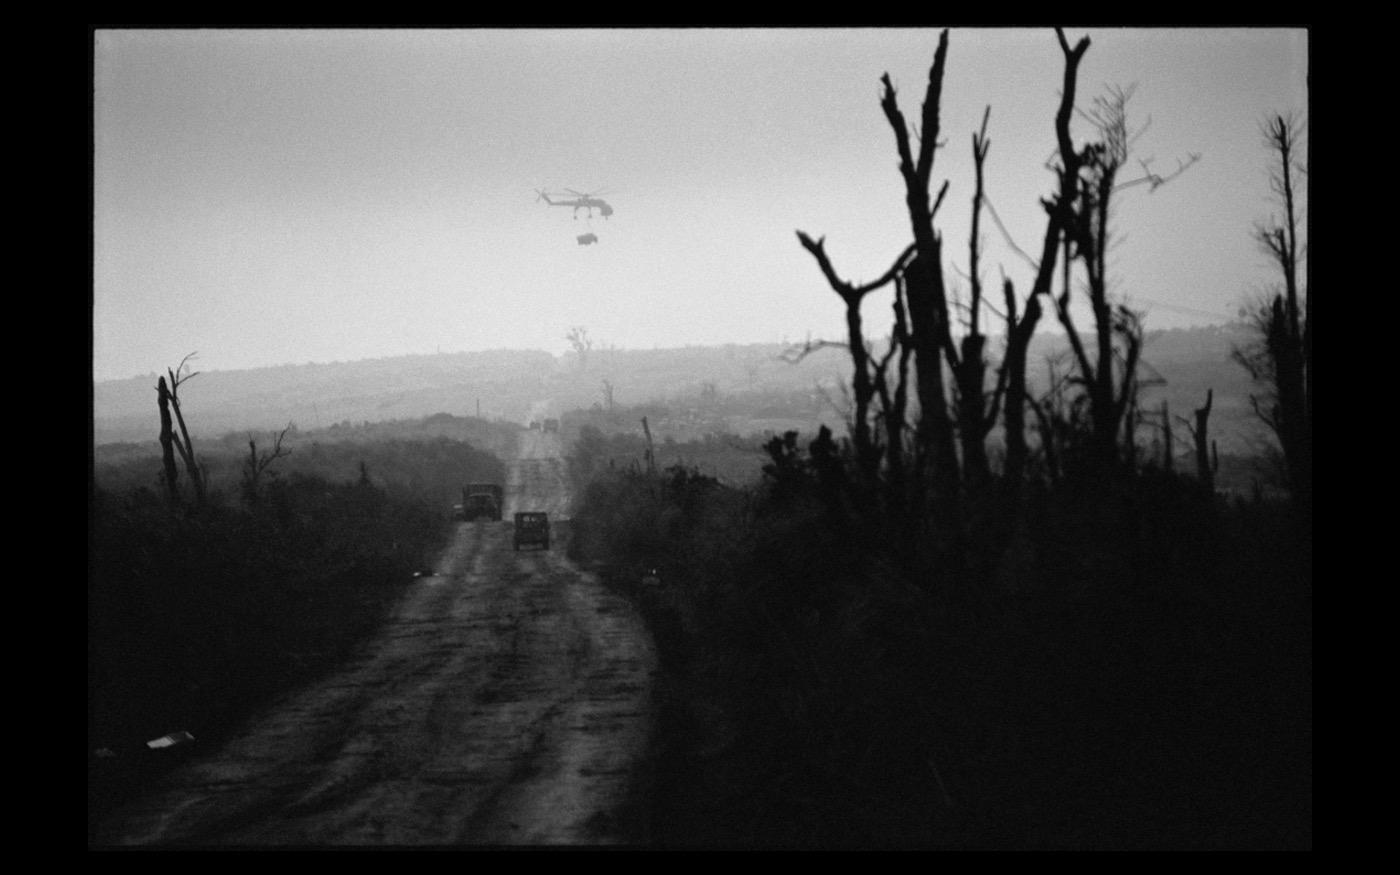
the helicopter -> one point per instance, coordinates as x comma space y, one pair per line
582, 201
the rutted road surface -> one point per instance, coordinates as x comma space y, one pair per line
507, 702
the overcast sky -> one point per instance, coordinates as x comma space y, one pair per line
268, 197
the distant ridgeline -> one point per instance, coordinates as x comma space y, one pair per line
511, 384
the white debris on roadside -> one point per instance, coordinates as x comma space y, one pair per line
170, 740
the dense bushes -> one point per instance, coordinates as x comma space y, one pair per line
192, 615
1086, 666
198, 615
725, 457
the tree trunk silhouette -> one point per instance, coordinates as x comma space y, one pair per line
167, 442
1205, 472
1291, 335
1281, 357
922, 314
894, 405
168, 399
651, 450
1109, 377
1018, 338
256, 464
182, 441
1207, 459
1059, 216
976, 415
927, 298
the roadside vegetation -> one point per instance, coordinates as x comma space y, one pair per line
1130, 671
623, 443
204, 607
992, 614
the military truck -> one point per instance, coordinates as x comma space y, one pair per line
482, 500
532, 527
551, 425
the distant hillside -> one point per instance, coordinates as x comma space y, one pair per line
736, 386
515, 385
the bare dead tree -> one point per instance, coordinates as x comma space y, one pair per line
1013, 369
257, 463
651, 449
926, 336
167, 443
867, 454
1129, 327
1207, 462
578, 338
927, 297
977, 412
1108, 378
1089, 238
168, 398
1168, 454
1060, 211
1281, 357
893, 405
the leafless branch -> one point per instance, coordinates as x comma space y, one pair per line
938, 202
278, 451
843, 288
929, 141
1156, 181
178, 375
796, 353
185, 446
1006, 235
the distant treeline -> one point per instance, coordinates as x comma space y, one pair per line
616, 439
594, 450
428, 458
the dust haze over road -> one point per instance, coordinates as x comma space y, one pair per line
536, 479
506, 702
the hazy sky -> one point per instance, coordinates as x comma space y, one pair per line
287, 196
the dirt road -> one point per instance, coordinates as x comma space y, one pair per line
507, 702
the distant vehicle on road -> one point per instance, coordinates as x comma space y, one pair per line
532, 527
535, 424
482, 500
551, 425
